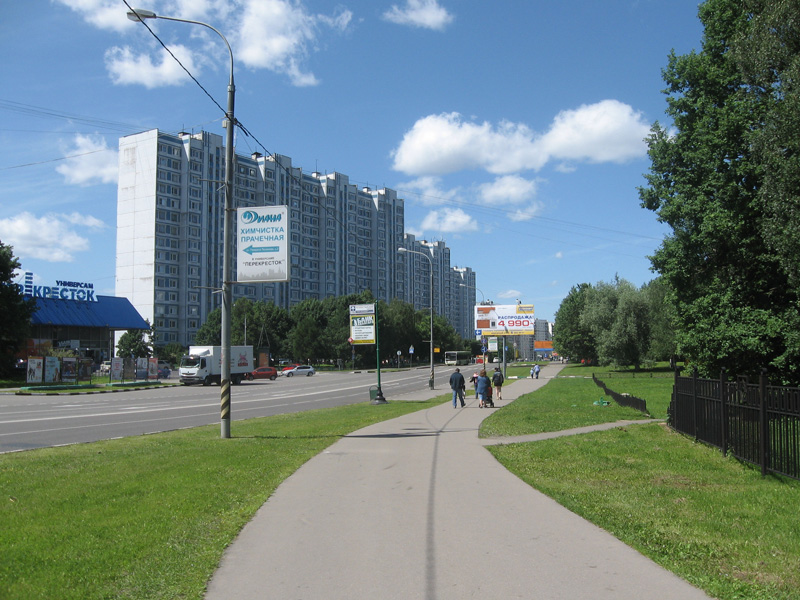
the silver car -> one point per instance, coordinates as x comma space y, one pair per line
306, 370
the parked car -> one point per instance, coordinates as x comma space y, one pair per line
105, 367
164, 372
306, 370
270, 373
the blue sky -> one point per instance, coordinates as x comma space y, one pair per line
512, 129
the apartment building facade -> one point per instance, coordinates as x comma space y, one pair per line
342, 239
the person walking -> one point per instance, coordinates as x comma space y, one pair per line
536, 371
474, 381
497, 382
533, 371
457, 385
484, 387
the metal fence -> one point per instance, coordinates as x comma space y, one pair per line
622, 399
757, 423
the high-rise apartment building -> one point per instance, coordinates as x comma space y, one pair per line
342, 239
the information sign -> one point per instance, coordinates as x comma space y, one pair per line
362, 323
261, 244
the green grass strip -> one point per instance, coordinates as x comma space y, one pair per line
561, 404
711, 520
150, 516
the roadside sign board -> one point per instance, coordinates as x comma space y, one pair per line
362, 323
261, 244
504, 319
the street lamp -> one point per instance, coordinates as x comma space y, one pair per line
430, 381
225, 383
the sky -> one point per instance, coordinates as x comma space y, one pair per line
513, 129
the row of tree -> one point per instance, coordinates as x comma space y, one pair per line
314, 331
725, 177
615, 323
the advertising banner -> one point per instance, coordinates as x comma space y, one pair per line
262, 234
69, 370
35, 370
52, 369
504, 319
116, 368
362, 323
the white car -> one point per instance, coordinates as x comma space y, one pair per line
306, 370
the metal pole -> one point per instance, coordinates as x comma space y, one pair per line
227, 231
225, 391
430, 381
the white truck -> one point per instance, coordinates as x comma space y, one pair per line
203, 364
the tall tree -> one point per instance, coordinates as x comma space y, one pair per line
136, 343
16, 310
572, 338
731, 294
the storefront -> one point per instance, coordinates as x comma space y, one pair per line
71, 316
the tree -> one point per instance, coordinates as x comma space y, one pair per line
15, 308
136, 343
210, 332
571, 337
734, 306
661, 316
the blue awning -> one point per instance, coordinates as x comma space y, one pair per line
109, 311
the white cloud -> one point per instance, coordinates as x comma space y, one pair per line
52, 238
429, 190
509, 189
559, 254
420, 13
510, 294
608, 131
277, 35
104, 14
449, 220
90, 161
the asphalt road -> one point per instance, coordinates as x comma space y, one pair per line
35, 421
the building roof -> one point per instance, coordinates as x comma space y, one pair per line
109, 311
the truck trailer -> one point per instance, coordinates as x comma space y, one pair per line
203, 364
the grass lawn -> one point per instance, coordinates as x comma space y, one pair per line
714, 522
149, 516
561, 404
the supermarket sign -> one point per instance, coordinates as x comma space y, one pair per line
504, 319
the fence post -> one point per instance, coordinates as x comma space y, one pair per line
694, 403
763, 422
723, 396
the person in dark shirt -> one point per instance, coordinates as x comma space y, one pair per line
457, 384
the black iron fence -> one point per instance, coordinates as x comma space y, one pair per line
757, 423
622, 399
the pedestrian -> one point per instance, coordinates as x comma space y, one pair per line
457, 385
533, 371
536, 371
484, 387
474, 381
497, 382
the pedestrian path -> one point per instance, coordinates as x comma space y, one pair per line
417, 508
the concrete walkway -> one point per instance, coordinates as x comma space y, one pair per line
417, 508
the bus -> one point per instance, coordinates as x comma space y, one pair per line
457, 357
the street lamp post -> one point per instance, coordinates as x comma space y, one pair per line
483, 301
430, 381
230, 121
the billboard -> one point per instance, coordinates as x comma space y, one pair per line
362, 324
262, 244
504, 319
